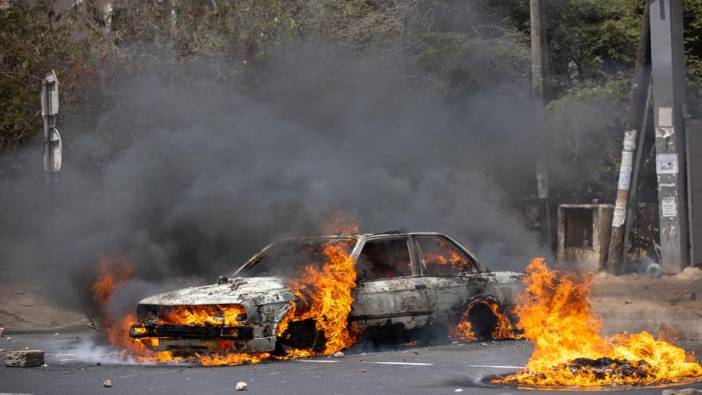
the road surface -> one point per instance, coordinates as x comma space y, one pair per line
77, 366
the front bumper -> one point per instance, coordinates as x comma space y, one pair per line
192, 339
192, 332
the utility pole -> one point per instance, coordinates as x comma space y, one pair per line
637, 113
668, 74
539, 50
539, 71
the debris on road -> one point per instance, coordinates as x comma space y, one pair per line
107, 383
686, 391
338, 354
241, 386
24, 359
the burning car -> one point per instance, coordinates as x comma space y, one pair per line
396, 280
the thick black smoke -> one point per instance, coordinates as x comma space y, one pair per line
187, 174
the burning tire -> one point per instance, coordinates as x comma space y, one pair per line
301, 335
482, 318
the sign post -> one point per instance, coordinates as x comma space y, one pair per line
53, 148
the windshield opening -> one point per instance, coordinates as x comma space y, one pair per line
287, 258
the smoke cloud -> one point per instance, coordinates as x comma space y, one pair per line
187, 173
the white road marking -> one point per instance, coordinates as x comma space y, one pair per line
404, 363
316, 360
497, 366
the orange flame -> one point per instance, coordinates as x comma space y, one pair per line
203, 315
113, 273
463, 331
326, 296
443, 258
109, 277
569, 349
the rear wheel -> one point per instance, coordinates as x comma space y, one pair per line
483, 321
477, 320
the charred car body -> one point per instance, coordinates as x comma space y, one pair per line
405, 280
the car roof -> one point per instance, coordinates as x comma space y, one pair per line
368, 236
391, 233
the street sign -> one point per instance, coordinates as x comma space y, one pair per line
50, 95
53, 151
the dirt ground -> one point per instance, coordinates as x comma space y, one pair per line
633, 303
624, 303
24, 308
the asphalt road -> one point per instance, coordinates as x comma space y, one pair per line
76, 366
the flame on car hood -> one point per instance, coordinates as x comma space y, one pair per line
236, 291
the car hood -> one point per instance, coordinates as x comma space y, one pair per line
238, 290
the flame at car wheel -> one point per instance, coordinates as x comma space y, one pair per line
326, 298
464, 331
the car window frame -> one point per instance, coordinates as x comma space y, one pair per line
411, 250
355, 251
422, 264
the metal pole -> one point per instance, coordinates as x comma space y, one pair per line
539, 69
668, 74
539, 48
637, 112
45, 105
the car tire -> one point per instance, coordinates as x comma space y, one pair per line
300, 335
481, 317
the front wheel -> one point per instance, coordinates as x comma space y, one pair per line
301, 335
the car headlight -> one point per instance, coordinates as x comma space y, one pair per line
138, 330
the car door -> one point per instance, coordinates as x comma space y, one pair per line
452, 275
389, 290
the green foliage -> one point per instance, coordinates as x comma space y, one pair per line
33, 40
468, 64
450, 47
584, 129
693, 44
601, 36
